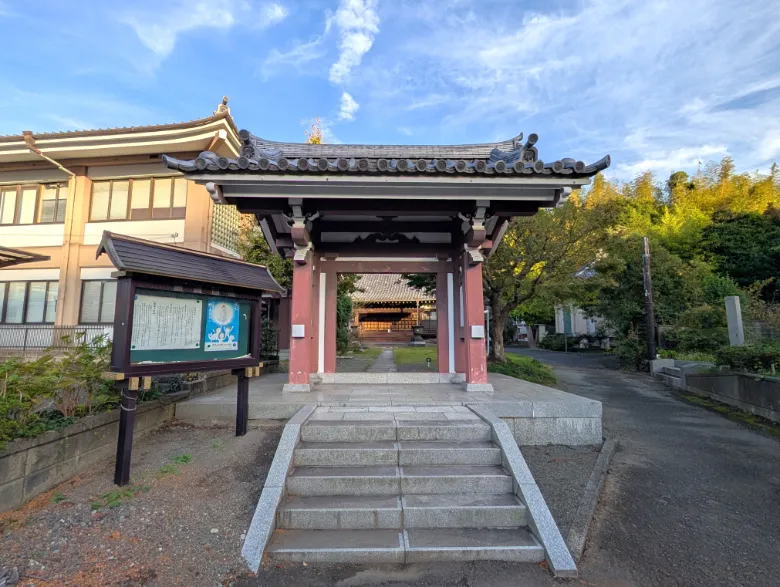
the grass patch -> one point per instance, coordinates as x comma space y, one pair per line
411, 355
371, 352
526, 368
58, 497
733, 413
182, 459
115, 498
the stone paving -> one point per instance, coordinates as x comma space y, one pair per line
384, 363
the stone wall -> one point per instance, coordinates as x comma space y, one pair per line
756, 394
31, 466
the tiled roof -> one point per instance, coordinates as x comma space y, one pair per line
136, 255
387, 287
511, 157
124, 129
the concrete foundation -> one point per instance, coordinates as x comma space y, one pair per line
536, 414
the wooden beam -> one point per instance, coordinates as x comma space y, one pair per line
385, 226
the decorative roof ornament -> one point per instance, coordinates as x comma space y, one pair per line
505, 158
223, 107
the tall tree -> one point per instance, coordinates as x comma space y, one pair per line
538, 259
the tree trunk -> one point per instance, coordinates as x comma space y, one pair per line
531, 336
500, 313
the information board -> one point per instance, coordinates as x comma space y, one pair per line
170, 327
166, 323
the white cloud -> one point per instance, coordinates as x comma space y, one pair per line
298, 56
158, 28
358, 23
348, 107
659, 85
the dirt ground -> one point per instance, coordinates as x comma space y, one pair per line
183, 517
180, 522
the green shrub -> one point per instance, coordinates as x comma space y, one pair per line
706, 340
631, 352
526, 368
557, 342
753, 358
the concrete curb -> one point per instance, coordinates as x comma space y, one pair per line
578, 533
264, 519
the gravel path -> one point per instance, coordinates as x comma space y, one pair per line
181, 523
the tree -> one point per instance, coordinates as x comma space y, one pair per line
538, 259
746, 247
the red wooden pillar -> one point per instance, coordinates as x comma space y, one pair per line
301, 325
331, 287
458, 322
442, 323
474, 326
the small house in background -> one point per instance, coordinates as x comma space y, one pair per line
386, 308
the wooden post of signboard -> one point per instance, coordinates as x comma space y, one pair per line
128, 390
242, 402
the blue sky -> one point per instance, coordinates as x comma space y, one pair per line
660, 85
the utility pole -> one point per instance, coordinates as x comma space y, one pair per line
649, 314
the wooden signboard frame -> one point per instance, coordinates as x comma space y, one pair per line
127, 374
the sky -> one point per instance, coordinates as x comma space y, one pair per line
659, 85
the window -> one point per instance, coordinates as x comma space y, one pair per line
53, 203
139, 199
97, 302
33, 204
30, 302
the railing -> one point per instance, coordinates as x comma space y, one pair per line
26, 338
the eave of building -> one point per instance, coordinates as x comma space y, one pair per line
216, 133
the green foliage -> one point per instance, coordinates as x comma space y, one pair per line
559, 342
343, 316
253, 248
753, 358
50, 392
746, 247
706, 340
269, 346
182, 459
631, 351
526, 368
698, 356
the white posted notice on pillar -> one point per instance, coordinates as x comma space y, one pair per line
165, 323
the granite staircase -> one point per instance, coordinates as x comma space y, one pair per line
400, 485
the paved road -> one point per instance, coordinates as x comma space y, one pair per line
589, 360
691, 499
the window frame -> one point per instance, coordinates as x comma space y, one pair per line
26, 304
150, 208
102, 283
38, 206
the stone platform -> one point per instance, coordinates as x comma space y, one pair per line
536, 414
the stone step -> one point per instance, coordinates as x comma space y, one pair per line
441, 430
673, 371
448, 453
470, 544
320, 481
455, 479
337, 546
463, 510
337, 431
345, 454
341, 512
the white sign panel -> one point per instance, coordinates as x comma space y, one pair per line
165, 323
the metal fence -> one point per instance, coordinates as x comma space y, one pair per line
35, 339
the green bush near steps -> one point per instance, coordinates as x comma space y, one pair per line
753, 358
526, 368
